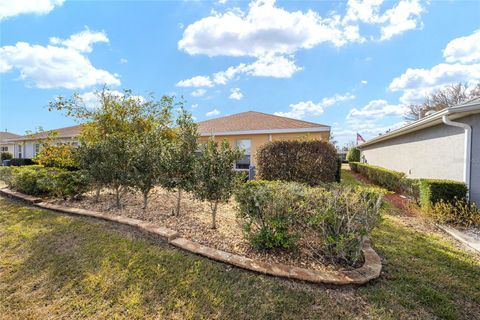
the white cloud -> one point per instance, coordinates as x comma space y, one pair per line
396, 20
81, 42
197, 81
303, 108
212, 113
91, 100
10, 8
194, 106
55, 66
123, 61
416, 83
364, 82
274, 66
376, 110
236, 94
198, 92
463, 49
263, 29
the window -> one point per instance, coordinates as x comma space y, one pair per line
37, 149
19, 151
245, 145
4, 149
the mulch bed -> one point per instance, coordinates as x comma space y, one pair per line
194, 223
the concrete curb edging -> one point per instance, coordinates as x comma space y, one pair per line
461, 237
368, 271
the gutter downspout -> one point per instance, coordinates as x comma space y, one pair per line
468, 149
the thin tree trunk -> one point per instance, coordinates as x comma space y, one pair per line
179, 198
97, 194
117, 196
145, 201
214, 215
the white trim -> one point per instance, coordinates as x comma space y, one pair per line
428, 121
267, 131
467, 149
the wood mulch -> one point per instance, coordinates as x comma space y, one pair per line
194, 223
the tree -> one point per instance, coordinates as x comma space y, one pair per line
215, 175
113, 130
180, 166
448, 96
59, 155
149, 162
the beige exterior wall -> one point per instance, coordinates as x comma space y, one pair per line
259, 139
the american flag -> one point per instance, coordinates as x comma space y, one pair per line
360, 138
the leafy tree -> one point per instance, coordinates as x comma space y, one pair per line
59, 155
113, 129
215, 175
448, 96
180, 166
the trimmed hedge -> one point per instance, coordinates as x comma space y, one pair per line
5, 156
40, 181
312, 162
17, 162
433, 191
427, 192
353, 155
333, 218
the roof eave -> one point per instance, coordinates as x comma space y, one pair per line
265, 131
428, 121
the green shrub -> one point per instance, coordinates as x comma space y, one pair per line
5, 156
389, 179
312, 162
459, 212
354, 166
38, 180
353, 155
332, 218
342, 218
268, 210
433, 191
21, 162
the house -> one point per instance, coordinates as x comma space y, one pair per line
5, 144
249, 130
28, 146
442, 145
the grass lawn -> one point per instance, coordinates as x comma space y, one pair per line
57, 266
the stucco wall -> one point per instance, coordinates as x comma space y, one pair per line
436, 152
259, 139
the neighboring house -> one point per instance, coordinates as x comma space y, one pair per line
342, 155
28, 146
5, 145
249, 130
442, 145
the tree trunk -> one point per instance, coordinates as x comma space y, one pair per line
145, 201
179, 198
214, 215
117, 197
97, 194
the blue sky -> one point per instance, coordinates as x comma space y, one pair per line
353, 65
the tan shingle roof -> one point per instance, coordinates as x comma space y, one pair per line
67, 132
4, 135
253, 121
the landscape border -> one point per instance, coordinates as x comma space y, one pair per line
371, 269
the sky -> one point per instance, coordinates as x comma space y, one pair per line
353, 65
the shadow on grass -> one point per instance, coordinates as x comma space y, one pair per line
81, 268
424, 274
69, 267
